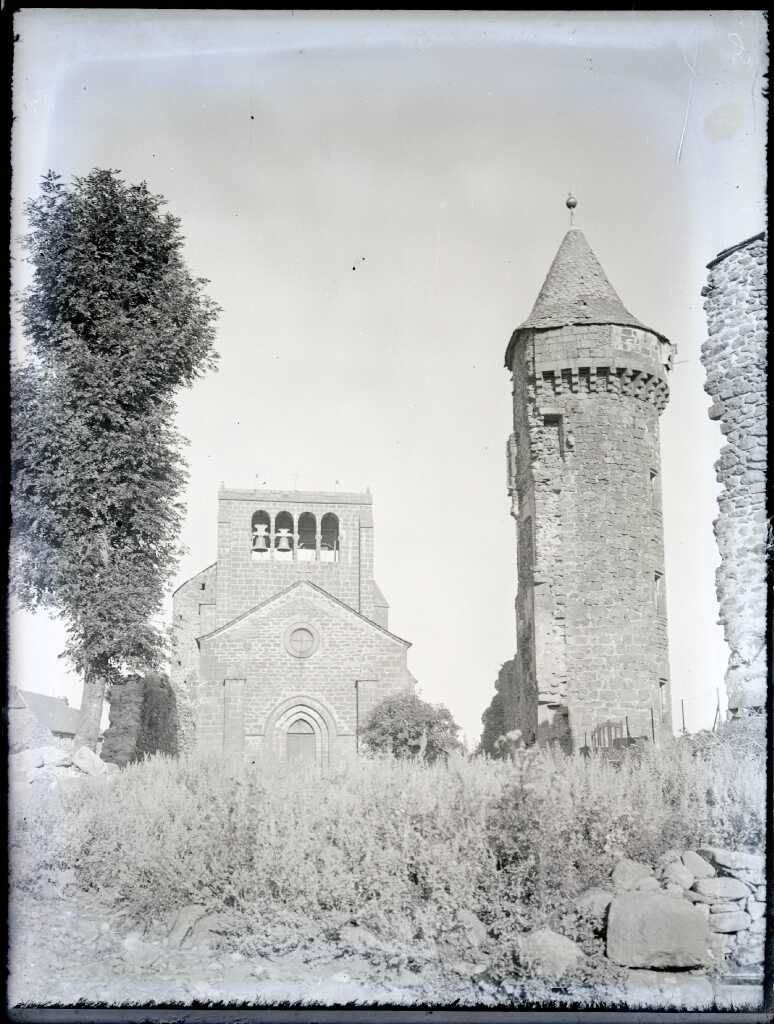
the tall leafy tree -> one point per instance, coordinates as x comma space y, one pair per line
406, 726
116, 325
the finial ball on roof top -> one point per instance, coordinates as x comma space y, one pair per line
571, 201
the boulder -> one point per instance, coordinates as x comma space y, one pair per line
721, 888
593, 903
88, 762
728, 907
26, 760
721, 942
758, 927
627, 873
736, 921
207, 932
668, 858
748, 867
658, 990
697, 897
136, 951
184, 921
698, 866
57, 757
549, 954
648, 884
760, 893
671, 889
755, 908
750, 953
474, 929
655, 930
679, 874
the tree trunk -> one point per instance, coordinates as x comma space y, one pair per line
92, 703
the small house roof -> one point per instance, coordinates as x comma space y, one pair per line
53, 712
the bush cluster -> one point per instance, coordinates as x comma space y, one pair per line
399, 846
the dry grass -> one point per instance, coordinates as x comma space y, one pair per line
397, 846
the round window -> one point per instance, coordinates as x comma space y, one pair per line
301, 641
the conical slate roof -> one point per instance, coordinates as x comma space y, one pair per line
577, 291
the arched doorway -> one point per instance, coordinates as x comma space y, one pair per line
300, 731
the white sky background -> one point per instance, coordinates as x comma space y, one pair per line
434, 154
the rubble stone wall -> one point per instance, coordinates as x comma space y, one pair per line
734, 356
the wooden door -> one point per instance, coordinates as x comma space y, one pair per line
301, 743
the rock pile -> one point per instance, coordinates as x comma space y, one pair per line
49, 767
696, 908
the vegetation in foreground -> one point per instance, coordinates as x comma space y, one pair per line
399, 847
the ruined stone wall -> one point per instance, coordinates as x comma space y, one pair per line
591, 608
143, 720
734, 356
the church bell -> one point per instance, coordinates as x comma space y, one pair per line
283, 540
259, 538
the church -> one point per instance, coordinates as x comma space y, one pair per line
282, 645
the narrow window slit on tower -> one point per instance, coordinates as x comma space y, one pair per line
511, 452
584, 379
658, 592
554, 419
662, 695
654, 490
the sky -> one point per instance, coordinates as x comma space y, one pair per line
376, 199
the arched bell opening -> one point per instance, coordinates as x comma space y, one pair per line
260, 539
307, 538
284, 539
329, 538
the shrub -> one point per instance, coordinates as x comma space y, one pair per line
398, 846
405, 726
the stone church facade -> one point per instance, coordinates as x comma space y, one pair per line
283, 647
584, 477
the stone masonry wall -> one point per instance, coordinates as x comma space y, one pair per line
253, 651
593, 644
244, 582
734, 356
193, 614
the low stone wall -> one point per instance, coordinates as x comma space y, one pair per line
695, 909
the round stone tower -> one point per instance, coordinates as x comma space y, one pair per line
584, 475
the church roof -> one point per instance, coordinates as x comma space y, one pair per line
576, 291
306, 584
